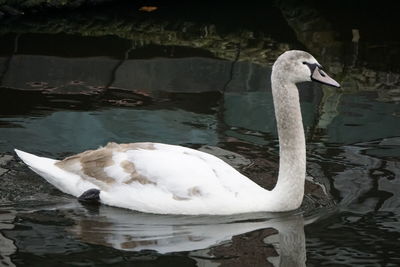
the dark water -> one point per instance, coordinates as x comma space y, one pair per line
66, 91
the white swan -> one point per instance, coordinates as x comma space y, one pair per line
169, 179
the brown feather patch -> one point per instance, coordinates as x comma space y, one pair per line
191, 192
130, 168
91, 164
94, 163
194, 191
130, 146
180, 198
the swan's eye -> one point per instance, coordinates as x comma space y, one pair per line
304, 62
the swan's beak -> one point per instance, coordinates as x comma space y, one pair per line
319, 75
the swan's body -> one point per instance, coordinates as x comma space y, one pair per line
168, 179
156, 178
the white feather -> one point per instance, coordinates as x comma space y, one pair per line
65, 181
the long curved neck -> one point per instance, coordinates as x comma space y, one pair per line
292, 148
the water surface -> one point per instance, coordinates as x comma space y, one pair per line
57, 102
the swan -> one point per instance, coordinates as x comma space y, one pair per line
170, 179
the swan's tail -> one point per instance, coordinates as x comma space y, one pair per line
65, 181
34, 162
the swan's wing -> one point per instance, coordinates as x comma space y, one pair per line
143, 176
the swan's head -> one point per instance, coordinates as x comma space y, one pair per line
299, 66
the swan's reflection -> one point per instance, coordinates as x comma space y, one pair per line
134, 231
